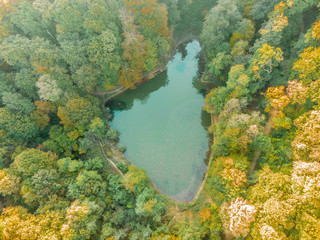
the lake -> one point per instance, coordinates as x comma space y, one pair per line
164, 128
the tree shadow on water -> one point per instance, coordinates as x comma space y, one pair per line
125, 101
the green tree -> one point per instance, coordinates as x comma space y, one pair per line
17, 126
261, 9
16, 103
86, 78
61, 142
66, 165
135, 180
152, 56
25, 82
216, 99
238, 81
220, 23
81, 221
149, 206
15, 51
102, 15
98, 128
73, 50
69, 16
29, 20
77, 113
88, 184
173, 12
45, 183
31, 161
103, 52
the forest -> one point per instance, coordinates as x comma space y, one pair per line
62, 171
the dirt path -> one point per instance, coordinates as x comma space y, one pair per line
258, 153
109, 160
118, 156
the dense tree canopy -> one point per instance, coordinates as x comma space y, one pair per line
62, 174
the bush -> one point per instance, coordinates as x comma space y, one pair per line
112, 134
122, 148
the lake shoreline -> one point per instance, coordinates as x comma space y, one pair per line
207, 159
150, 75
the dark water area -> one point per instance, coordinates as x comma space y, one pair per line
164, 128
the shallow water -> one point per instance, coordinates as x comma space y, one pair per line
164, 128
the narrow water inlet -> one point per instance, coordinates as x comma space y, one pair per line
164, 128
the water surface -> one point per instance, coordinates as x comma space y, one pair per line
164, 128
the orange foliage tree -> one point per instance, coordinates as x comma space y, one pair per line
7, 7
151, 16
134, 54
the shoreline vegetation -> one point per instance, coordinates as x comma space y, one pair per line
200, 191
62, 175
150, 76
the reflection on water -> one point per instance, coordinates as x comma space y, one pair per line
182, 48
164, 128
142, 93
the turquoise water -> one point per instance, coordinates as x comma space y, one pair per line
164, 128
